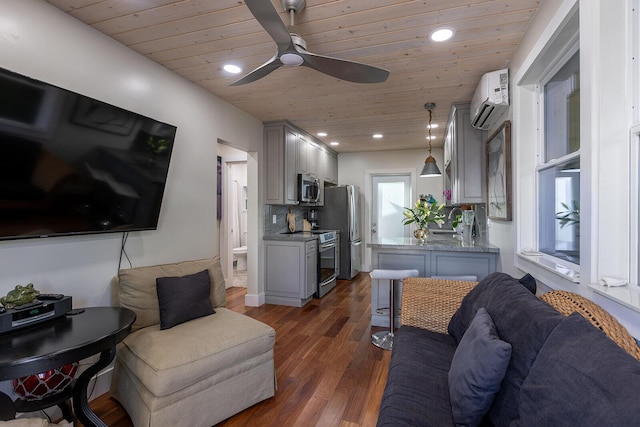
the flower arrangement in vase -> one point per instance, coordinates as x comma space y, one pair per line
425, 210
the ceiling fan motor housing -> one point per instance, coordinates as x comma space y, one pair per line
298, 41
293, 5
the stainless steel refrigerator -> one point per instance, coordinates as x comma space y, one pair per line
341, 212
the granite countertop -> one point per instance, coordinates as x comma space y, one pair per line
291, 237
297, 236
435, 243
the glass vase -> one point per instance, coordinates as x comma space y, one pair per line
421, 235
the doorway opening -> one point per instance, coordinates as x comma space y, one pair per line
234, 218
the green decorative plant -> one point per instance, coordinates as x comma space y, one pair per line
457, 221
423, 213
569, 216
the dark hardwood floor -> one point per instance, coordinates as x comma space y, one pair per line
328, 372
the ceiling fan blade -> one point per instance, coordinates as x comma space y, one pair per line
343, 69
268, 17
266, 68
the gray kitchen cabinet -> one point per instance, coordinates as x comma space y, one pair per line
428, 263
281, 172
291, 271
329, 163
313, 152
312, 273
288, 152
464, 158
303, 154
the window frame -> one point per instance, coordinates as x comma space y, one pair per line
565, 55
561, 266
551, 55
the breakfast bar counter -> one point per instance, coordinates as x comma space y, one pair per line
435, 242
440, 255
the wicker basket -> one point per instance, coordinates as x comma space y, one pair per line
568, 302
430, 303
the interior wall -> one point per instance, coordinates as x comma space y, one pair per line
503, 233
40, 41
353, 168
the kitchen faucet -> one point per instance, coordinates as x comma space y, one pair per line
454, 209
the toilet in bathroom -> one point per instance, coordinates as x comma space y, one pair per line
240, 255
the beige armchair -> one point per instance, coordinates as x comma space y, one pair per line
196, 373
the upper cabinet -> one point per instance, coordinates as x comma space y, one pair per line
289, 151
304, 154
329, 165
464, 158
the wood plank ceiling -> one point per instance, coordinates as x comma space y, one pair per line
195, 38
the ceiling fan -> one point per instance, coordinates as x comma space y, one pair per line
292, 49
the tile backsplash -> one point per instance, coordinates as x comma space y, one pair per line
302, 212
280, 211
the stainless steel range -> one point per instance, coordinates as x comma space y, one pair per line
328, 261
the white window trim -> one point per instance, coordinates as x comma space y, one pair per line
634, 143
547, 268
634, 224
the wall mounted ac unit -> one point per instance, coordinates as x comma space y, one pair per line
490, 99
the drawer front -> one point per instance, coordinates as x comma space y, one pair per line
311, 246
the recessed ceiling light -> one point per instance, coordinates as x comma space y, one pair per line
441, 34
431, 137
334, 143
377, 135
432, 126
232, 69
322, 134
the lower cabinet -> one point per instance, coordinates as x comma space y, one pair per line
428, 263
291, 271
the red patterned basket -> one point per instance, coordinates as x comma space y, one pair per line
44, 384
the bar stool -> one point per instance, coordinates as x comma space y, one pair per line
384, 339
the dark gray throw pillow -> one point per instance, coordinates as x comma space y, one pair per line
183, 298
582, 378
477, 369
529, 282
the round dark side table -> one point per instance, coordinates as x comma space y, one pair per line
55, 343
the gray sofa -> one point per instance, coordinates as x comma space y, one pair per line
189, 361
528, 365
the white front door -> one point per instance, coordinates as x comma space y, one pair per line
390, 194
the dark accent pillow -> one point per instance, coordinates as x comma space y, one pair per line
492, 286
529, 282
183, 298
582, 378
477, 369
522, 320
462, 318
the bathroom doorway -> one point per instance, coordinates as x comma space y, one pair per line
233, 221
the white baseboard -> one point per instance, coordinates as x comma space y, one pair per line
102, 383
254, 300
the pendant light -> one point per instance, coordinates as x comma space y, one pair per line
430, 167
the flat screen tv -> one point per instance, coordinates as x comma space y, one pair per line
70, 164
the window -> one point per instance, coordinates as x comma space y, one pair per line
559, 171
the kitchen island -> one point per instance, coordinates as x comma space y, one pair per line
441, 255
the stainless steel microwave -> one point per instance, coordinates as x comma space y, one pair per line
308, 189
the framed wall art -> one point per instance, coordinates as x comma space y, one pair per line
498, 151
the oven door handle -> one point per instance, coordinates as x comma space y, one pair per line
327, 245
